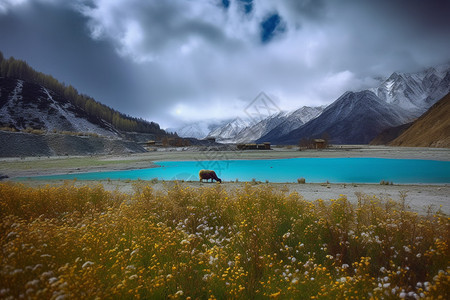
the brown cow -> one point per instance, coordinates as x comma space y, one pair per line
208, 174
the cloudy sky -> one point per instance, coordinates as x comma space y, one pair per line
174, 61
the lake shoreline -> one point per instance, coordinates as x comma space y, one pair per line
36, 166
418, 195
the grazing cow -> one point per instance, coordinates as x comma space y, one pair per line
208, 174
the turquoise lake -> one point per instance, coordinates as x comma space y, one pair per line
335, 170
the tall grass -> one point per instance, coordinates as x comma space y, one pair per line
253, 242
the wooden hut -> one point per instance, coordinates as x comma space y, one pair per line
320, 144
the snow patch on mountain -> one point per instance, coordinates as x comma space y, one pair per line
247, 130
416, 92
227, 132
33, 106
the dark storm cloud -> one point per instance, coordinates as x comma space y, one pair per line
169, 60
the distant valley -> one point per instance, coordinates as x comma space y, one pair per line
41, 116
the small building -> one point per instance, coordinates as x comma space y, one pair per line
320, 144
151, 143
264, 146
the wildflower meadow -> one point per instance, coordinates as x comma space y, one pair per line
251, 242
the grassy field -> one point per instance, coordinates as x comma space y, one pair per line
180, 242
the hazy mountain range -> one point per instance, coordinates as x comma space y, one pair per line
353, 118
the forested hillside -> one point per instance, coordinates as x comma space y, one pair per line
19, 69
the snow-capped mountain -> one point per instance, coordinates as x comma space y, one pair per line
28, 105
292, 121
399, 99
253, 132
244, 131
415, 92
354, 118
227, 132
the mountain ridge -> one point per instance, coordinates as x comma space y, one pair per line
432, 129
244, 131
19, 70
338, 119
398, 100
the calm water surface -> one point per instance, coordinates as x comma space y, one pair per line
335, 170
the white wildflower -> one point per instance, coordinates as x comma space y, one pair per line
11, 234
206, 277
87, 264
34, 283
17, 271
52, 280
47, 274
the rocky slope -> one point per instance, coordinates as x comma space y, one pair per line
59, 127
390, 134
432, 129
28, 105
